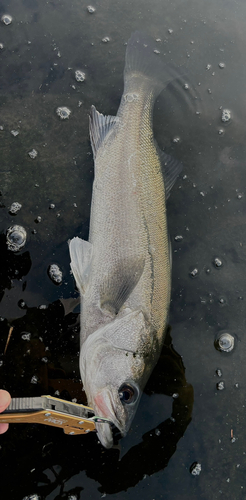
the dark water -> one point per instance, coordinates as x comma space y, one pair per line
42, 47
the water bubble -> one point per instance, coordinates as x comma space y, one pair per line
178, 237
157, 432
15, 133
55, 274
63, 112
32, 497
91, 9
34, 379
1, 362
221, 65
176, 139
1, 46
219, 372
170, 31
186, 86
43, 306
1, 127
156, 51
33, 153
6, 19
158, 39
26, 336
217, 262
224, 342
220, 385
226, 115
15, 207
106, 39
194, 272
22, 304
221, 131
79, 75
239, 196
222, 300
209, 66
195, 469
38, 219
51, 206
44, 360
175, 395
16, 238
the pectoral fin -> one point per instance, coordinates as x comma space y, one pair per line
80, 253
119, 285
171, 169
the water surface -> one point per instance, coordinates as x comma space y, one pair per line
42, 48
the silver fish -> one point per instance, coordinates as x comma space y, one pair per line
123, 272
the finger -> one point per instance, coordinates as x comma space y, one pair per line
5, 399
3, 428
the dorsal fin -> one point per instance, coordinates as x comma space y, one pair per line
99, 126
171, 169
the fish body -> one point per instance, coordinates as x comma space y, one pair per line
124, 271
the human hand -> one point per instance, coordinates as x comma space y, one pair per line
5, 399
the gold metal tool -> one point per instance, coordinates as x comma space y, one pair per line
73, 418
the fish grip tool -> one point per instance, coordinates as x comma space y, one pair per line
73, 418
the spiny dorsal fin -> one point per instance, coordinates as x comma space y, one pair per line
171, 169
119, 285
99, 126
80, 253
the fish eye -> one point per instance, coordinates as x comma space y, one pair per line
127, 393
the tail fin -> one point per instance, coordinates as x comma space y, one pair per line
142, 57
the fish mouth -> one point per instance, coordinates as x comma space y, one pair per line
103, 407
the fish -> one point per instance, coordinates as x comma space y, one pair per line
123, 272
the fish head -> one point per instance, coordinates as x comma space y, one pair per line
115, 363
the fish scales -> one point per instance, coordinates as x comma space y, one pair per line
128, 214
124, 271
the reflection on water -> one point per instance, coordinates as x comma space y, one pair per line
47, 367
200, 120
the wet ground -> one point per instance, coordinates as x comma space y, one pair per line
40, 51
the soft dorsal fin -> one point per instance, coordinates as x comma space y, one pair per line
81, 254
120, 283
99, 126
171, 169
